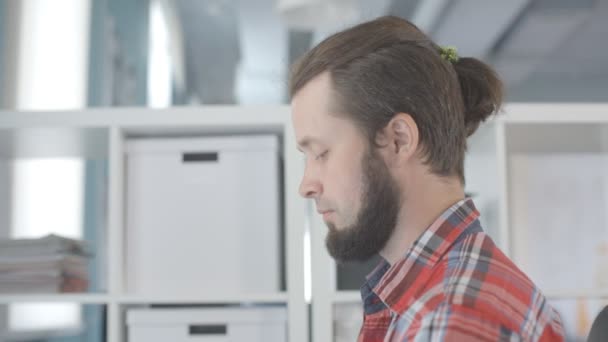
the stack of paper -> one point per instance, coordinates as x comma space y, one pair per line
51, 264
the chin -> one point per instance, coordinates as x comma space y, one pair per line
332, 225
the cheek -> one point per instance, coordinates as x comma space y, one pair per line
348, 188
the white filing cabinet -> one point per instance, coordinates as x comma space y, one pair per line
264, 324
217, 198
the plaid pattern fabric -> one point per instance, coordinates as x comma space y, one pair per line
454, 284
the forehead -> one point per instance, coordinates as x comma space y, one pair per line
312, 111
312, 102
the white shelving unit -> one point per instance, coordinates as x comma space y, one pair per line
103, 132
494, 178
526, 130
84, 298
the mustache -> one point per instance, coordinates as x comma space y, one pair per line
322, 207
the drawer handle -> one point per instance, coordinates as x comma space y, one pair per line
200, 157
208, 329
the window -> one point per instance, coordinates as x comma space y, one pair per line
52, 68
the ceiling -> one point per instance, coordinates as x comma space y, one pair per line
238, 51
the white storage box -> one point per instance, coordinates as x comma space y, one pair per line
203, 216
209, 325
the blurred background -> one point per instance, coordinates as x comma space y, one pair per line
58, 55
186, 52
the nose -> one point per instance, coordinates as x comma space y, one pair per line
310, 186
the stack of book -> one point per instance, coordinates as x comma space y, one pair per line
51, 264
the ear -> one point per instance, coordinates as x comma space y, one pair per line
401, 134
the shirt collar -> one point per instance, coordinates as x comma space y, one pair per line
395, 286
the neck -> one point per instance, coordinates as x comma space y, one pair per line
425, 200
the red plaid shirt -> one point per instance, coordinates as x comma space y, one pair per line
454, 284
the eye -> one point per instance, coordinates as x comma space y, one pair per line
321, 156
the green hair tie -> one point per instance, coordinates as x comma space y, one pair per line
449, 53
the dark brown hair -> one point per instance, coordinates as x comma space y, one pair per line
388, 66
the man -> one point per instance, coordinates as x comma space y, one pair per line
382, 114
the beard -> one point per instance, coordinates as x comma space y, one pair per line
376, 220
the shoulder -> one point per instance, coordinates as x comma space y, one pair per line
479, 280
451, 322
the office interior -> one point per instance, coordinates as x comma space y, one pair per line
148, 173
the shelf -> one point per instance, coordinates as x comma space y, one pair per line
86, 298
41, 142
209, 116
273, 298
590, 294
82, 298
568, 113
260, 115
355, 296
102, 133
